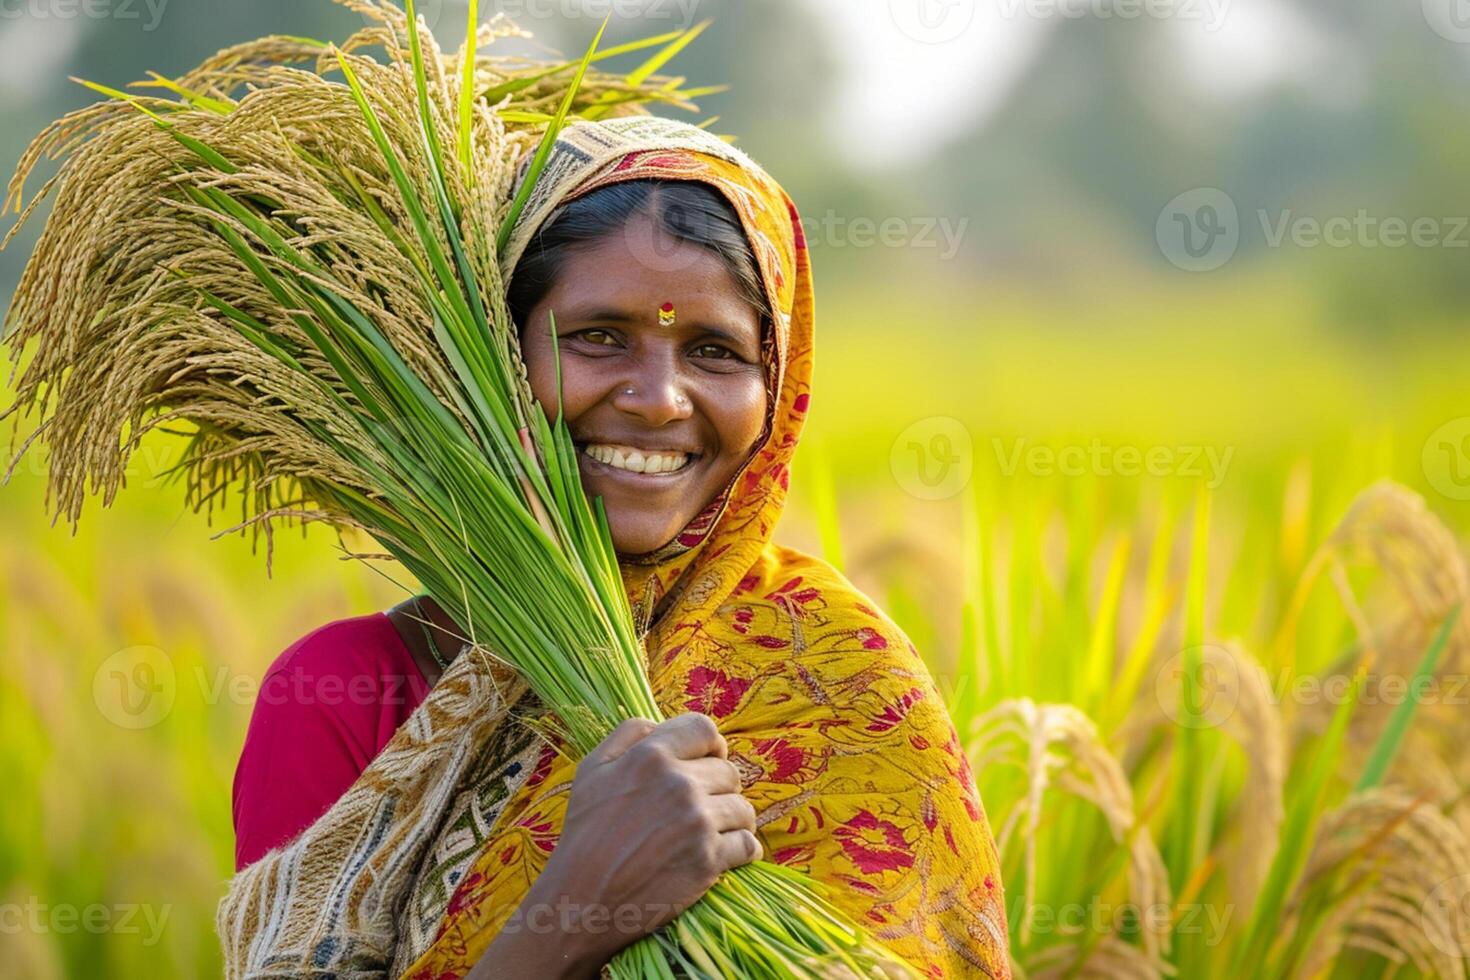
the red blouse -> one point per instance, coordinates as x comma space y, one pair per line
326, 708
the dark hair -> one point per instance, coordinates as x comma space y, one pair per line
688, 211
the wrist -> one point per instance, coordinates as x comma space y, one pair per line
543, 938
563, 917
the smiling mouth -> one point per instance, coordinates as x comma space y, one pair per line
643, 462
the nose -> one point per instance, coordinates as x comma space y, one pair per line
655, 391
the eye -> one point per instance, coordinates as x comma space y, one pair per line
716, 351
597, 336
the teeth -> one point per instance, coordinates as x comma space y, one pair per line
636, 460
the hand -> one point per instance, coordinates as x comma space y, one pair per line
655, 816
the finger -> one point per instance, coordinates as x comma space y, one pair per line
737, 847
731, 811
714, 775
691, 736
621, 739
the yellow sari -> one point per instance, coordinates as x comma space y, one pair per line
843, 743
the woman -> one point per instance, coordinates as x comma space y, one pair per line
440, 836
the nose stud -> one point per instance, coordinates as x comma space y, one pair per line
681, 400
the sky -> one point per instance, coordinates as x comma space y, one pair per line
925, 70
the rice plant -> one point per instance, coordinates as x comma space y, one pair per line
1169, 802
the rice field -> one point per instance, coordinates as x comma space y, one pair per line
1186, 627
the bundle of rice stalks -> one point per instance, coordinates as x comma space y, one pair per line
303, 273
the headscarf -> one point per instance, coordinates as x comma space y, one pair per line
842, 741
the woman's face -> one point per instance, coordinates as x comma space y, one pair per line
662, 414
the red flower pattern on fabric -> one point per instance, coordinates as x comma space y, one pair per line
896, 712
714, 692
873, 844
779, 759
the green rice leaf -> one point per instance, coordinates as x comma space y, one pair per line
218, 106
1388, 742
511, 86
538, 162
1303, 815
467, 95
